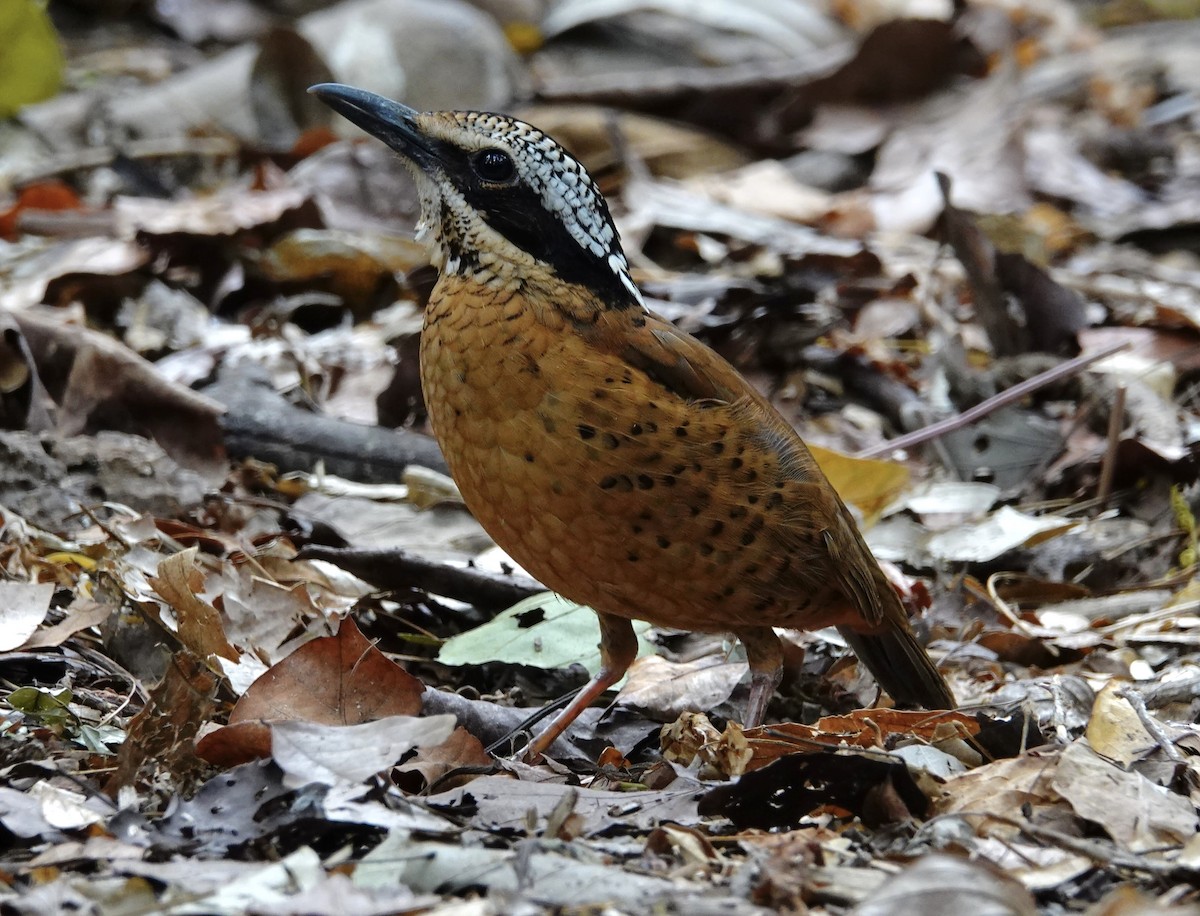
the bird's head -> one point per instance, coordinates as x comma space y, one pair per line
497, 191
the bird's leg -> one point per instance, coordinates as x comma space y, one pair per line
765, 655
618, 649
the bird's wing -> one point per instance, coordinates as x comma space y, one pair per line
687, 368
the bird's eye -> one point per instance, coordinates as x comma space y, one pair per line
494, 165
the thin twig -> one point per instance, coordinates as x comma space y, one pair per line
1009, 614
1096, 850
1003, 399
1116, 422
1151, 724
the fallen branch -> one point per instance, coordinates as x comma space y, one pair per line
399, 569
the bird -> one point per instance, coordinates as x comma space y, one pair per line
618, 459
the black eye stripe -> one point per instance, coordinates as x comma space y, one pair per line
493, 165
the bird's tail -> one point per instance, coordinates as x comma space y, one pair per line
901, 667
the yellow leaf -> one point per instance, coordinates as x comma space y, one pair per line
867, 483
65, 557
525, 37
31, 62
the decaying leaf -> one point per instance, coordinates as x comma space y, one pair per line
162, 733
1115, 731
333, 680
1136, 813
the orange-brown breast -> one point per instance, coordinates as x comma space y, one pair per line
612, 488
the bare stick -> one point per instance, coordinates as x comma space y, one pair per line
395, 568
1116, 421
1151, 724
1003, 399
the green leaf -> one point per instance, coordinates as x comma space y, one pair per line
39, 703
544, 630
37, 700
1186, 520
97, 738
31, 60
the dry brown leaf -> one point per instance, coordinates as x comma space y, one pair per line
426, 770
687, 845
1114, 731
263, 615
1002, 788
83, 613
333, 680
200, 627
357, 267
105, 385
336, 680
1136, 813
866, 728
722, 754
684, 738
163, 731
231, 745
766, 187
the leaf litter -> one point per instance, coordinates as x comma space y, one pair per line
256, 655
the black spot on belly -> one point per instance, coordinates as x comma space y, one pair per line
618, 482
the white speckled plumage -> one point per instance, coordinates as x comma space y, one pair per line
562, 183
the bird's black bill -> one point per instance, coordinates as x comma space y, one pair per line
391, 122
